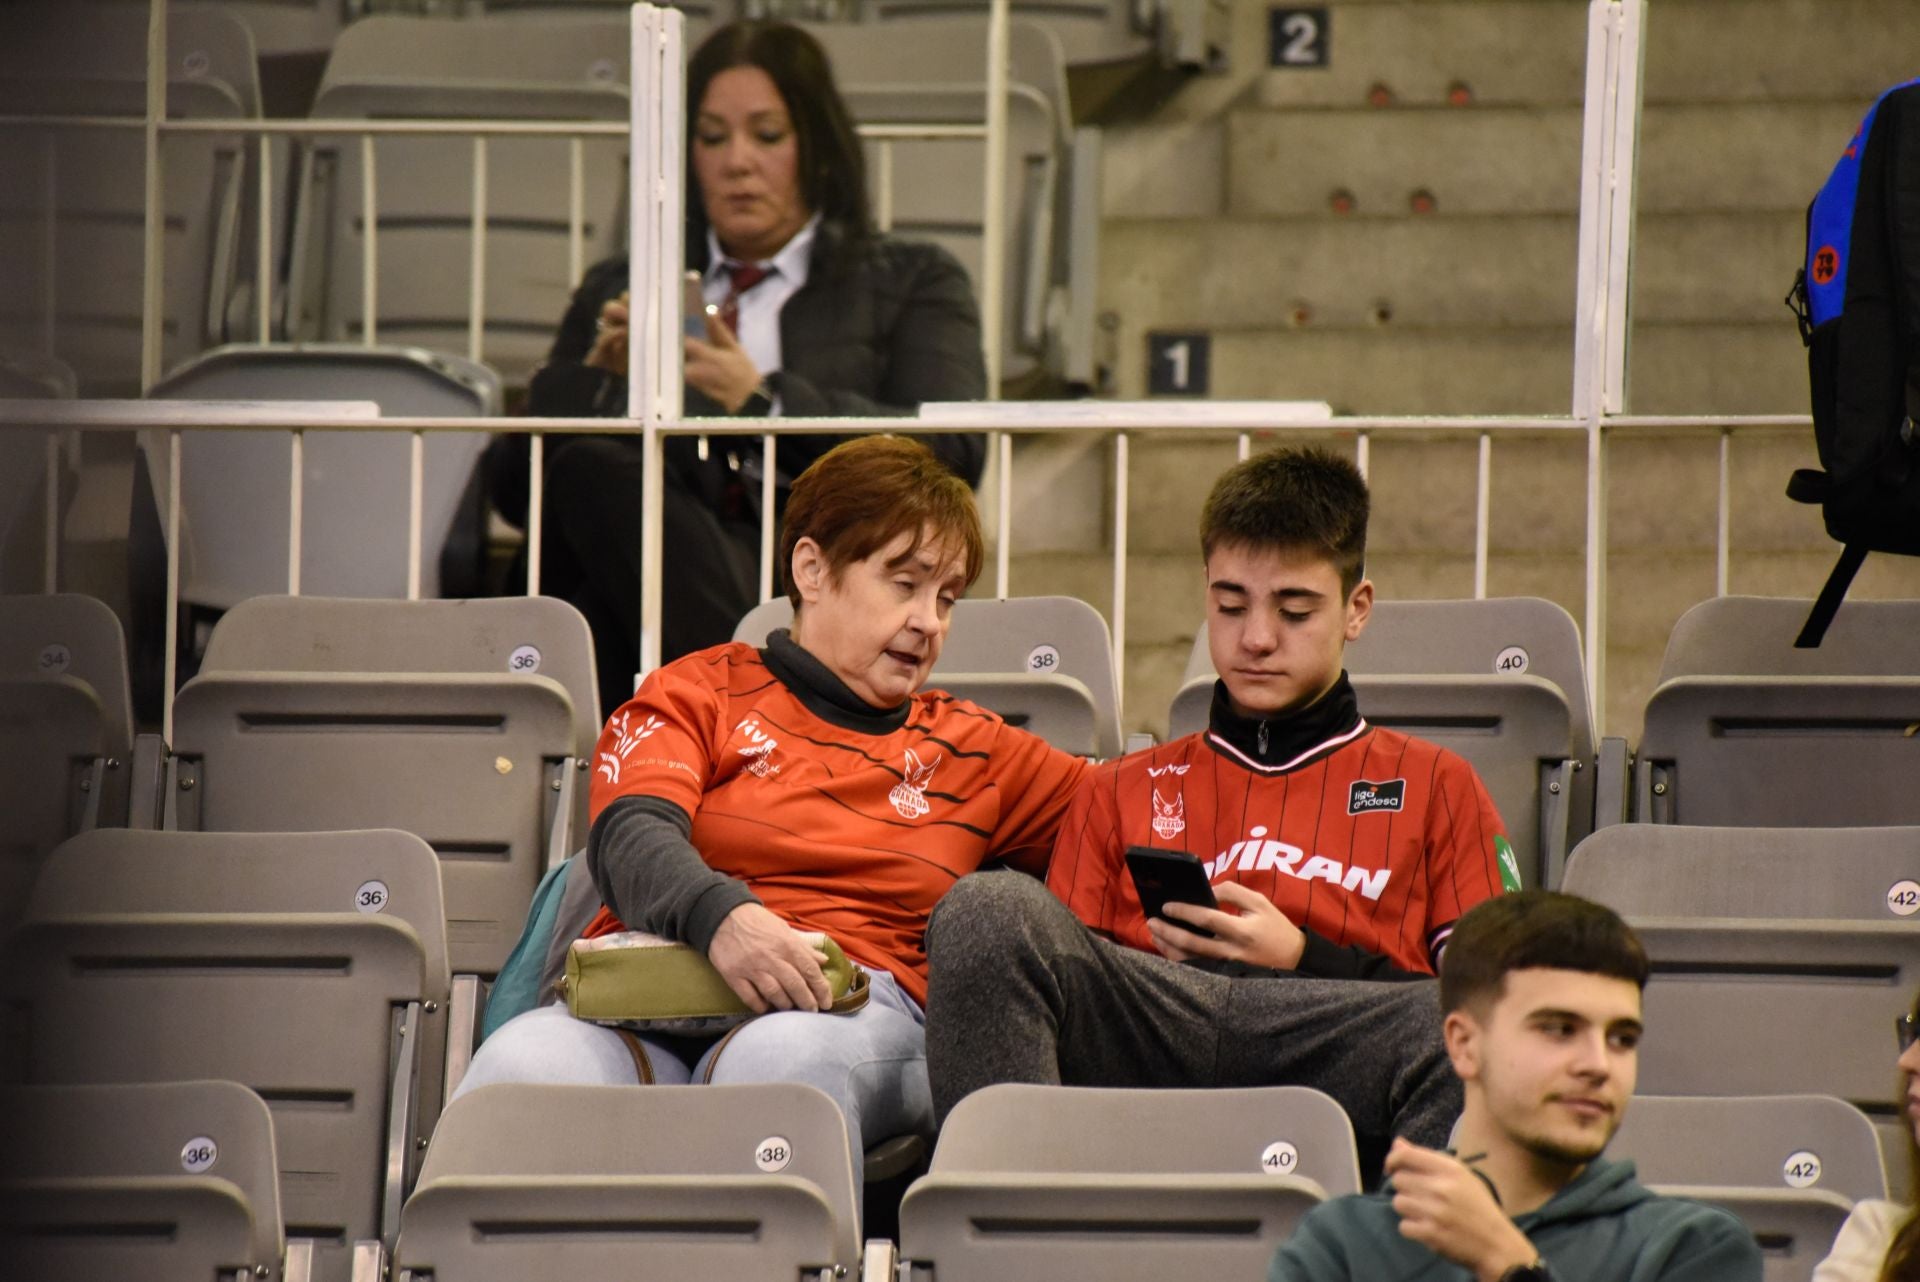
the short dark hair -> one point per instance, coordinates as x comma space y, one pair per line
863, 494
1295, 500
1535, 929
833, 168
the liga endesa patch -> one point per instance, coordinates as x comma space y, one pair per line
1365, 797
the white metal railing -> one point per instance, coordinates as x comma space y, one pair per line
1615, 57
1119, 424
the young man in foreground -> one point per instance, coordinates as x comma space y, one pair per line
1340, 852
1542, 999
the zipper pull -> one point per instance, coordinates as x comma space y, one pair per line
1261, 739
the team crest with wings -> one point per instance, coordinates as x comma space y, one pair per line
909, 796
1169, 818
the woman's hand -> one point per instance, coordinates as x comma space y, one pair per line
609, 351
768, 964
720, 367
1259, 934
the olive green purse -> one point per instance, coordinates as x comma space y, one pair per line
649, 984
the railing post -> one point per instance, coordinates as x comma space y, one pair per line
993, 249
369, 244
296, 501
263, 246
1121, 502
477, 263
1002, 444
153, 298
1482, 515
1723, 524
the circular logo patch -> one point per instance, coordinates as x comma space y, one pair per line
1826, 264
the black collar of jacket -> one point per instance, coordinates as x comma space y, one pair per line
1272, 741
825, 695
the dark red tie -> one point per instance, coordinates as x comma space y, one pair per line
743, 276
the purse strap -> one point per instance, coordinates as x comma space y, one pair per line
855, 997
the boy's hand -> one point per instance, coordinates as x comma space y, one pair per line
1451, 1211
1258, 934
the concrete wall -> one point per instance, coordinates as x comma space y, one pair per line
1220, 214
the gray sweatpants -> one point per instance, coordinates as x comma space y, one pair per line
1021, 991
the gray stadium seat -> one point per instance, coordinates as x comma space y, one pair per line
1785, 873
1044, 663
934, 71
319, 1012
234, 485
385, 872
1790, 1166
170, 1182
474, 68
1032, 1182
1802, 938
1744, 729
91, 60
66, 730
1089, 31
1500, 682
520, 636
480, 766
644, 1185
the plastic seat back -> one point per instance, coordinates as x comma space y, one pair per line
66, 730
354, 497
476, 68
664, 1183
479, 766
1790, 1167
1745, 729
316, 1012
1044, 663
61, 59
1030, 1182
170, 1181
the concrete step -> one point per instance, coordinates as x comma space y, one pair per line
1743, 157
1757, 368
1477, 272
1534, 51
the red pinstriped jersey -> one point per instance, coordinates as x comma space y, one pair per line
1370, 838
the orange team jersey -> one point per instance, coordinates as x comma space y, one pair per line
855, 834
1372, 838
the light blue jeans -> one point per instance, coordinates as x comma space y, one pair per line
873, 1063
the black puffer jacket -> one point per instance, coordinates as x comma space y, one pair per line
881, 326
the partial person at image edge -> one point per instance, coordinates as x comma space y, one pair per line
1543, 1022
1880, 1242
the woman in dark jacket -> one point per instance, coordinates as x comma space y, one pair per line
812, 314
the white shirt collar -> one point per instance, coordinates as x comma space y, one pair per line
791, 262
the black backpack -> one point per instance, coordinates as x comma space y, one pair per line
1857, 298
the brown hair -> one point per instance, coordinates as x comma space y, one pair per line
863, 494
1307, 500
1531, 929
1903, 1256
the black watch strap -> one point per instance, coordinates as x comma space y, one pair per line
759, 403
1535, 1272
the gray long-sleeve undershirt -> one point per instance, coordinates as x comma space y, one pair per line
642, 860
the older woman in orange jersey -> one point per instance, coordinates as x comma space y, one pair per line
745, 798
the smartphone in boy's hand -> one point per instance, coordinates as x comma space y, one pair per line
1165, 877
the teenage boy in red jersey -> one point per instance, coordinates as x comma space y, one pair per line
1340, 853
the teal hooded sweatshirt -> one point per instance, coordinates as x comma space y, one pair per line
1604, 1227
